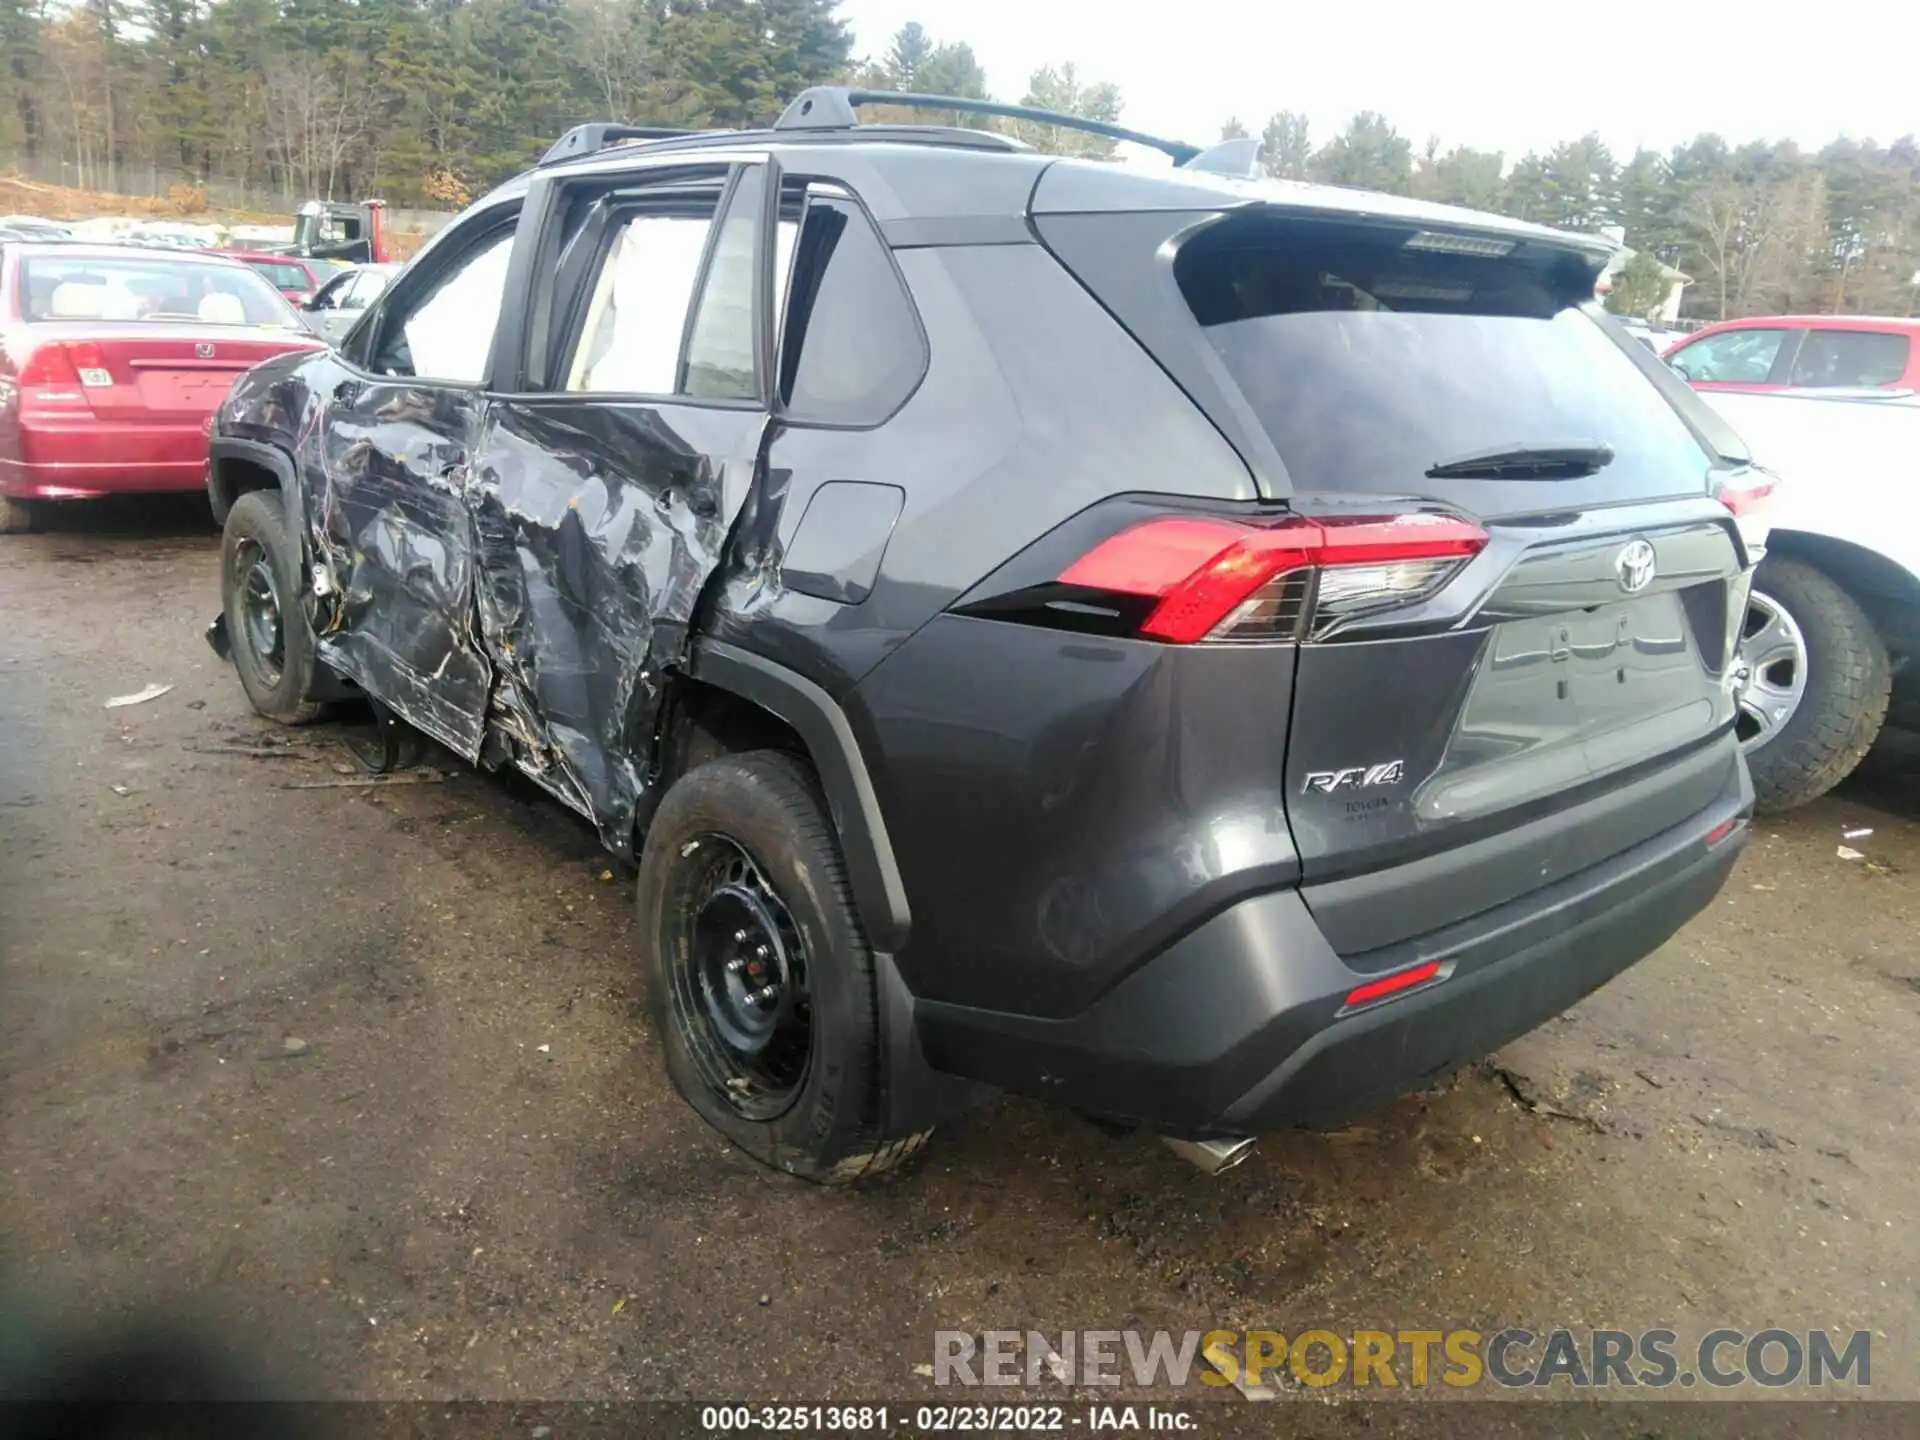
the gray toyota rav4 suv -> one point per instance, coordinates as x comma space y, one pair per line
1210, 652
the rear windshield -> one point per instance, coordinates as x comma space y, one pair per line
148, 287
1368, 362
282, 274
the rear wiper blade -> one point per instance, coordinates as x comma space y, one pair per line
1526, 462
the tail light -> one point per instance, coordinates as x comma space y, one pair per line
1222, 580
59, 371
1749, 497
50, 381
89, 364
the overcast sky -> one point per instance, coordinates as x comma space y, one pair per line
1489, 73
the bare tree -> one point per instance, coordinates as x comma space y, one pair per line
314, 115
1757, 233
1713, 215
615, 46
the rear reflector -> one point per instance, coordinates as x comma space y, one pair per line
1223, 580
1392, 984
1721, 832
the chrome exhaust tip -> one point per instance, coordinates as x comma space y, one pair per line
1212, 1156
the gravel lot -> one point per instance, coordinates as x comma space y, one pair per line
363, 1074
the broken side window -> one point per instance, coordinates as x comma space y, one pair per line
630, 341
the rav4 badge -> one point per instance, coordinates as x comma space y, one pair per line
1354, 777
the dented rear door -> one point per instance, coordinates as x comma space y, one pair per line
606, 484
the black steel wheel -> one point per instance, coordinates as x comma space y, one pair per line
260, 628
739, 978
759, 979
266, 628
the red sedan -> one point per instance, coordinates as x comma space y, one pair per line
112, 361
297, 277
1825, 352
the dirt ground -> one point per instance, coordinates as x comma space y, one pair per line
473, 1180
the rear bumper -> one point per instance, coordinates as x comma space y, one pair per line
1237, 1027
101, 458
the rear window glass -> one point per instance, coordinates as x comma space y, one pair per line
852, 350
282, 274
1367, 362
148, 288
1850, 358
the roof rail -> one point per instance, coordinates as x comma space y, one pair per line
599, 134
831, 107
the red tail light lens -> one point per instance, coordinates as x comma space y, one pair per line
60, 368
48, 380
89, 364
1749, 498
1224, 580
1392, 985
1747, 493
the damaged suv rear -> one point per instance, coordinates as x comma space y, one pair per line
1216, 654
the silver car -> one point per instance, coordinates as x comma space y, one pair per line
336, 305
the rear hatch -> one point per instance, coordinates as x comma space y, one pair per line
155, 373
1558, 651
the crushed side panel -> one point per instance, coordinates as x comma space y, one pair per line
598, 526
392, 542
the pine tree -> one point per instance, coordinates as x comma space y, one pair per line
1369, 154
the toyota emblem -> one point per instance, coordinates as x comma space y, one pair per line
204, 349
1634, 566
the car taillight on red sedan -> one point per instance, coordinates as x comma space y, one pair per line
57, 376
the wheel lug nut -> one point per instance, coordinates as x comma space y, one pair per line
762, 951
736, 964
740, 937
764, 994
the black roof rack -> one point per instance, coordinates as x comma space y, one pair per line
599, 134
831, 107
826, 112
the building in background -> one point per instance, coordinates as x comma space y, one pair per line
1668, 310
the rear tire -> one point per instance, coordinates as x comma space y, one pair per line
18, 517
260, 594
744, 841
1843, 699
